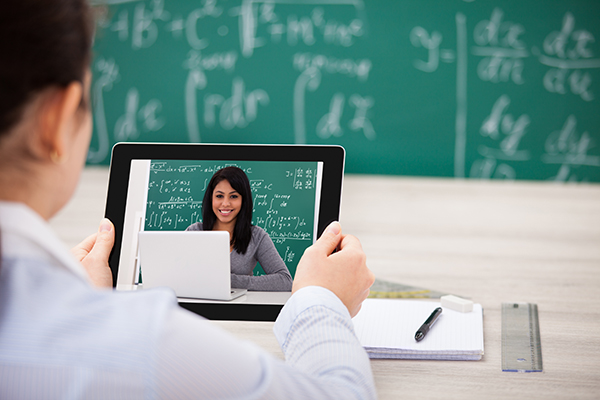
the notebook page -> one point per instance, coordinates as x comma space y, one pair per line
392, 324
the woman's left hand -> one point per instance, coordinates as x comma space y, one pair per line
93, 254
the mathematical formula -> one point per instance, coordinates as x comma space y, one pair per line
500, 52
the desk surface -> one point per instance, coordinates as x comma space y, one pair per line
494, 242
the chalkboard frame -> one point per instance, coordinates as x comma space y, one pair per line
332, 157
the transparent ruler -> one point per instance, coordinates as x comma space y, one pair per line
521, 345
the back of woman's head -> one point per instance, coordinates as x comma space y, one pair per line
43, 44
239, 182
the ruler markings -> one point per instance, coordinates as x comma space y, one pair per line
521, 343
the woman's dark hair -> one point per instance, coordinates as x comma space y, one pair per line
43, 44
242, 233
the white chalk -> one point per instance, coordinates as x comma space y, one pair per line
456, 303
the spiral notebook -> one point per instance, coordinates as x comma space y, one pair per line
386, 328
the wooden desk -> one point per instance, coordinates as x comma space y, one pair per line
491, 241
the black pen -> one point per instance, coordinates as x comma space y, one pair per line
428, 324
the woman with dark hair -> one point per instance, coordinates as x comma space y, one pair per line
227, 206
64, 333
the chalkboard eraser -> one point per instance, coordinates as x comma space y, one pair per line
456, 303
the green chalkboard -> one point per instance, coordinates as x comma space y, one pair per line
284, 199
460, 88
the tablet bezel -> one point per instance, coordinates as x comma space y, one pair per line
332, 157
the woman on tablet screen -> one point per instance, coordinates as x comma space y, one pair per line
65, 333
227, 206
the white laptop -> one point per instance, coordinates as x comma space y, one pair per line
194, 264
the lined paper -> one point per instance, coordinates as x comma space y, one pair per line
386, 328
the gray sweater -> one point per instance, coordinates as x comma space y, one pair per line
260, 249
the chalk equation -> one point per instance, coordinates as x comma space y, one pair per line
500, 50
158, 220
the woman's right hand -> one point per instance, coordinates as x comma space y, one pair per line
344, 272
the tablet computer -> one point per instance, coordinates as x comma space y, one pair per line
296, 193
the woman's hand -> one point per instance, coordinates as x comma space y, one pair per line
345, 272
93, 254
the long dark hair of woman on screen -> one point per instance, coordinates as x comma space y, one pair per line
227, 205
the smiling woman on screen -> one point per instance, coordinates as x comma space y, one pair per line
227, 206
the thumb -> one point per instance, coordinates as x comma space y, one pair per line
330, 239
104, 240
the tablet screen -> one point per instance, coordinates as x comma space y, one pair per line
295, 193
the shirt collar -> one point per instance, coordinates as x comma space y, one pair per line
34, 235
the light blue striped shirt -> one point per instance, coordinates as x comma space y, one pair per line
60, 338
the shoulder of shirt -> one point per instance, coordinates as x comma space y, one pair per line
195, 227
258, 234
257, 230
31, 235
